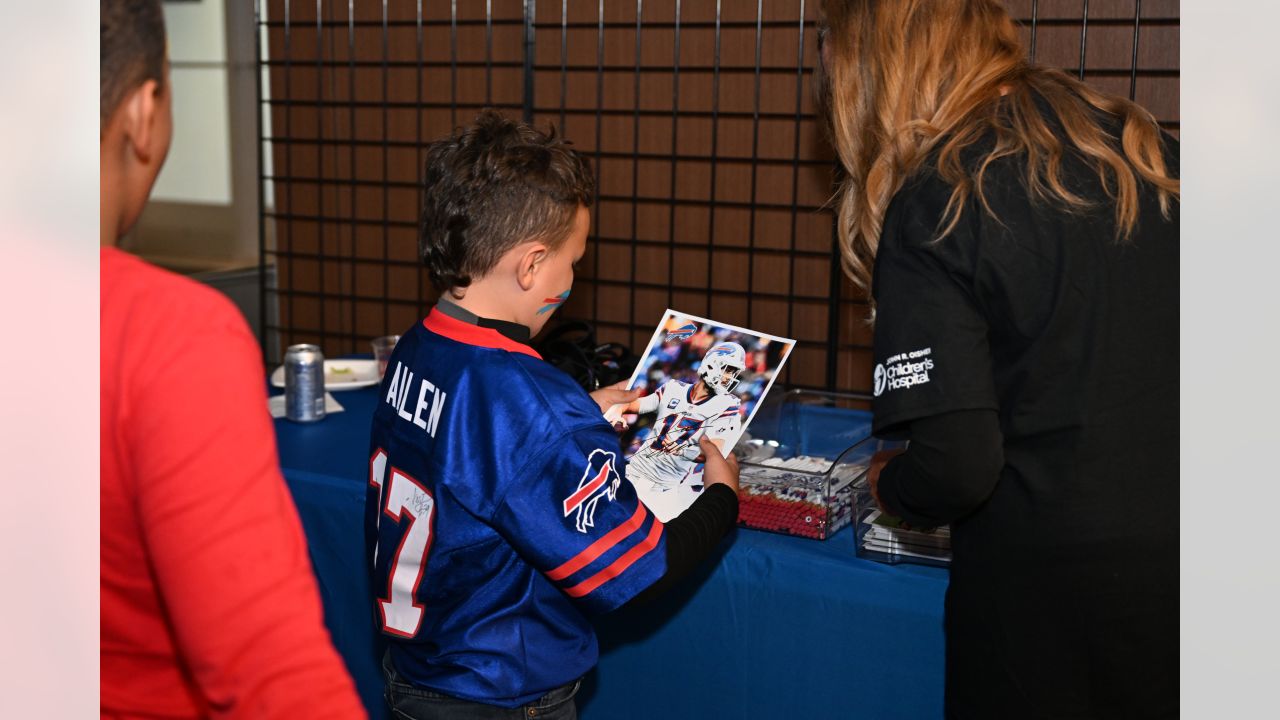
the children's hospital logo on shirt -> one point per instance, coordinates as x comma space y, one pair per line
599, 480
904, 370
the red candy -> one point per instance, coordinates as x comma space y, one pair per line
767, 511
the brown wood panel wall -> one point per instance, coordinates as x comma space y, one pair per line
711, 163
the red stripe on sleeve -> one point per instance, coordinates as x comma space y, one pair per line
620, 565
601, 546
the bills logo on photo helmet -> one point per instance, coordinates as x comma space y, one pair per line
682, 333
721, 358
599, 480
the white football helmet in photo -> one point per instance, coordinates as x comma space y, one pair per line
722, 357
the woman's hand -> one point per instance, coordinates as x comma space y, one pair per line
878, 461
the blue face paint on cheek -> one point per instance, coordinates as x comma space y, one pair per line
554, 302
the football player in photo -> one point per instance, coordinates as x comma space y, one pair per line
685, 413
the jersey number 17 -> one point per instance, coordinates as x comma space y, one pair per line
669, 440
404, 499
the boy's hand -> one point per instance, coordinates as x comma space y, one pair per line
718, 468
616, 394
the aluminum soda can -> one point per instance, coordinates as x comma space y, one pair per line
304, 383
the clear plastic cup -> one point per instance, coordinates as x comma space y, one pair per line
382, 348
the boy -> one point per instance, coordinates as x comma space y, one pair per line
209, 607
496, 515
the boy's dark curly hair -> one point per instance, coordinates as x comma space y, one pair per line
492, 186
132, 50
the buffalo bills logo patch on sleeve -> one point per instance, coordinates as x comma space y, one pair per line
599, 480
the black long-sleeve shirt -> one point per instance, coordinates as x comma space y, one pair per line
692, 535
1063, 587
950, 468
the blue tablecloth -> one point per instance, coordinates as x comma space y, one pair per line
776, 627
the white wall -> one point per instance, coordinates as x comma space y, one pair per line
198, 169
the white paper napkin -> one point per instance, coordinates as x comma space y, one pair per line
275, 404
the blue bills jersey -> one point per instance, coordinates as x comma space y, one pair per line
496, 517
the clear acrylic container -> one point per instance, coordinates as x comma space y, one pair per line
800, 458
887, 539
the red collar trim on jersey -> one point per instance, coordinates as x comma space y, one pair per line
466, 333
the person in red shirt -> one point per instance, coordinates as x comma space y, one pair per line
209, 605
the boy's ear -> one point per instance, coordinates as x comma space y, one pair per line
530, 263
140, 118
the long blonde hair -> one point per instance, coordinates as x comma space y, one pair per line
909, 80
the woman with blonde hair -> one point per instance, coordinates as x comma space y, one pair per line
1017, 233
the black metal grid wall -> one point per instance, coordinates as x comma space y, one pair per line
698, 116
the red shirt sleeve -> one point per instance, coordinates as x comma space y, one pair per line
222, 534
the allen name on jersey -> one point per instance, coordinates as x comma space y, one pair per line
425, 413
